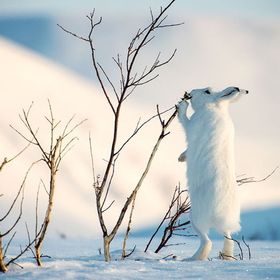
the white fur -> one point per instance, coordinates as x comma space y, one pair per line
211, 167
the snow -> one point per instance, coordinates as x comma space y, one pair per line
79, 259
27, 77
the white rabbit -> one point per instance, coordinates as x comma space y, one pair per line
211, 166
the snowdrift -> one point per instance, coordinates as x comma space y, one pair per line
25, 78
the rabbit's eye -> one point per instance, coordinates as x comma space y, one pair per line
207, 91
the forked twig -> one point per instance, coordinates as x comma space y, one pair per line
178, 206
59, 145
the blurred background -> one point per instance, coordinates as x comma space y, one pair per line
222, 43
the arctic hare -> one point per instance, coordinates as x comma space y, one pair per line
210, 166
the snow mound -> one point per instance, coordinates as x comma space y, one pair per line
74, 259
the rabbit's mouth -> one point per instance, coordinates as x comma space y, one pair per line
187, 96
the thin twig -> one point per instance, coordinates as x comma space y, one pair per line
9, 243
181, 206
92, 161
248, 247
73, 34
130, 253
248, 180
6, 160
239, 246
139, 127
20, 191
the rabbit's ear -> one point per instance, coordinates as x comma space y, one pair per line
230, 94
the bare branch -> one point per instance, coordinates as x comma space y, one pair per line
144, 174
45, 188
109, 81
143, 42
66, 148
36, 210
119, 65
129, 80
23, 251
66, 133
108, 207
53, 157
109, 185
139, 127
34, 141
124, 255
248, 247
94, 61
130, 253
248, 180
152, 15
6, 160
170, 25
142, 80
181, 206
91, 19
8, 244
13, 204
73, 34
24, 137
92, 161
18, 194
239, 246
20, 191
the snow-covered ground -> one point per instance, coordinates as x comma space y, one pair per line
79, 259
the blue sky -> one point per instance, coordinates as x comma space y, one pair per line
250, 8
